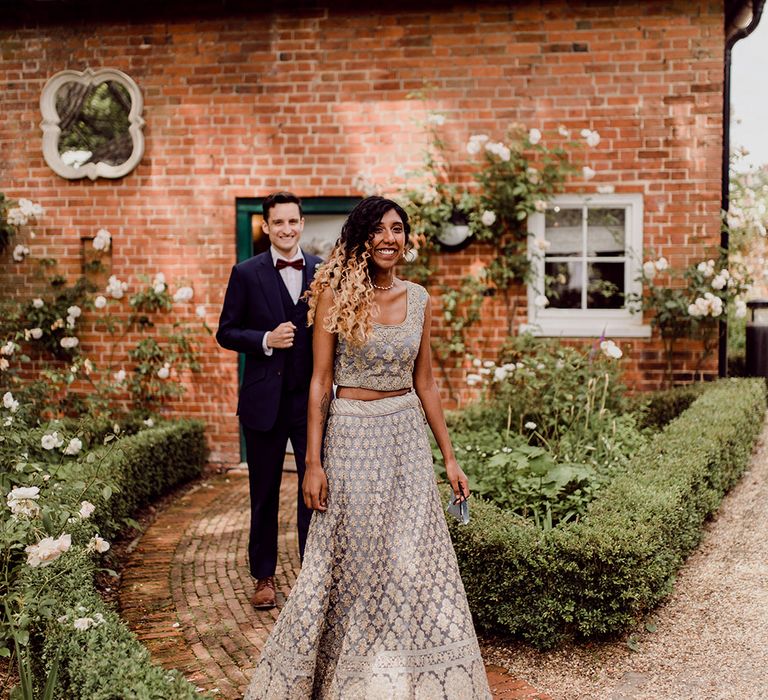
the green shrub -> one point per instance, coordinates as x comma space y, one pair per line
596, 577
657, 409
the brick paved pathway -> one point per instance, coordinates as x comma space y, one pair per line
185, 588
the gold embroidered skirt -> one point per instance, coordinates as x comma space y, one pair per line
378, 610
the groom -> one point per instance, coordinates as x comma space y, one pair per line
264, 317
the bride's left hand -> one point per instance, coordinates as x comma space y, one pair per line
458, 480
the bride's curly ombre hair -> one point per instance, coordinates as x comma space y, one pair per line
348, 272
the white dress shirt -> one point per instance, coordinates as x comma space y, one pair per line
293, 280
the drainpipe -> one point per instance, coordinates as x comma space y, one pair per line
741, 19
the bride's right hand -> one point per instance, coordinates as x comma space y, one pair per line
314, 488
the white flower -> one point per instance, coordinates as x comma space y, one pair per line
542, 244
47, 550
116, 288
740, 310
119, 376
36, 333
488, 218
610, 349
149, 422
565, 133
9, 402
164, 372
20, 252
498, 149
661, 264
4, 364
436, 119
69, 342
100, 302
593, 139
51, 440
473, 379
97, 544
649, 269
534, 136
499, 374
540, 205
30, 208
21, 500
587, 172
200, 310
718, 282
86, 510
102, 240
540, 301
475, 143
8, 348
183, 294
16, 217
530, 425
533, 175
74, 311
83, 623
74, 446
38, 303
477, 362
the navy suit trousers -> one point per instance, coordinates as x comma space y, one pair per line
265, 452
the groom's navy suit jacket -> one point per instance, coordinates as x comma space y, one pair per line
257, 301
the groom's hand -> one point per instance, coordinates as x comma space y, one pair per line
282, 336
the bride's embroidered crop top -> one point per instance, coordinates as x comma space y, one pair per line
385, 361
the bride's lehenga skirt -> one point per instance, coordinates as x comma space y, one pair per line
378, 610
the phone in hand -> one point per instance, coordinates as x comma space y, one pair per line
460, 511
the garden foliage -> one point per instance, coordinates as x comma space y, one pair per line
599, 575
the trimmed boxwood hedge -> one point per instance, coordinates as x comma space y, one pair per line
596, 577
108, 661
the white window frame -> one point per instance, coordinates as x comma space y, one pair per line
589, 323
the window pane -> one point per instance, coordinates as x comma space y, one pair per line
605, 232
563, 231
319, 235
563, 284
606, 286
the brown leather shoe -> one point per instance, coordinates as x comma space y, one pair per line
264, 597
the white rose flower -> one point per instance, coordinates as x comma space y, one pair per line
649, 269
473, 147
530, 425
158, 287
16, 217
83, 623
585, 132
499, 374
4, 364
477, 362
540, 301
610, 349
164, 372
36, 333
693, 310
69, 342
200, 310
47, 550
740, 308
9, 402
50, 441
86, 510
119, 376
102, 240
21, 500
8, 348
20, 252
149, 422
473, 379
593, 139
534, 136
100, 302
74, 446
183, 294
533, 175
488, 218
97, 544
540, 205
661, 264
588, 173
115, 288
543, 244
74, 311
38, 303
565, 133
718, 282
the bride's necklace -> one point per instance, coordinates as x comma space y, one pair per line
383, 289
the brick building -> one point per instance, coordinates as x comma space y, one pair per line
238, 103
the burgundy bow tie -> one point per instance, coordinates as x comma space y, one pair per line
295, 264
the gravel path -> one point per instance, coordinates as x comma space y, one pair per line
710, 639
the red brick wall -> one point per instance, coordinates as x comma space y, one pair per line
242, 106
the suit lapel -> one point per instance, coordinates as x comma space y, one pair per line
269, 283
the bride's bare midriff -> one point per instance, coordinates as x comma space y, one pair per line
347, 392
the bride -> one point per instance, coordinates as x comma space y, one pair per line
378, 609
